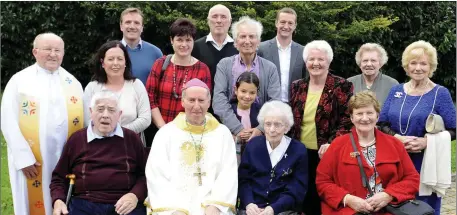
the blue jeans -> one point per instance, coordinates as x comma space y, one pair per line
84, 207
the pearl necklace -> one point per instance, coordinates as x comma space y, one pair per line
409, 117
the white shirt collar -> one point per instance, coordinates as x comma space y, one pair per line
91, 135
43, 70
279, 45
140, 43
228, 39
280, 150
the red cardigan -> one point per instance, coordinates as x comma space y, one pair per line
338, 173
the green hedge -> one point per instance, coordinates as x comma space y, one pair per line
85, 26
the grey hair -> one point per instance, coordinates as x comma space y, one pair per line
320, 45
104, 94
372, 47
183, 94
48, 34
246, 20
279, 109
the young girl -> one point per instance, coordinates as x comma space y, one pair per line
245, 107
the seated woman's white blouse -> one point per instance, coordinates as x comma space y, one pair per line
280, 150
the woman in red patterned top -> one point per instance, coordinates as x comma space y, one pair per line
165, 89
320, 106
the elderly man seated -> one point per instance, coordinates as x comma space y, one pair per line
108, 162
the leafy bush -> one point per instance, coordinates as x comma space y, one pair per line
85, 26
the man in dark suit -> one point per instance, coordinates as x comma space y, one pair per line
286, 54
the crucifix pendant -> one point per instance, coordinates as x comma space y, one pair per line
199, 174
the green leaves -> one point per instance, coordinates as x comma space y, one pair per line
85, 26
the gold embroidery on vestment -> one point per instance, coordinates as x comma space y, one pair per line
190, 154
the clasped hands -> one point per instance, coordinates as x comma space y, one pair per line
247, 133
253, 209
372, 204
123, 206
413, 144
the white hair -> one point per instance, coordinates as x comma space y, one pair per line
372, 47
41, 36
104, 94
278, 109
246, 20
320, 45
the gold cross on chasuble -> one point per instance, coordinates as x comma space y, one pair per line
199, 174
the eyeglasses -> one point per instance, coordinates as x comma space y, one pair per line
50, 50
276, 125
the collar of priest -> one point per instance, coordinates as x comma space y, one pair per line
211, 124
91, 135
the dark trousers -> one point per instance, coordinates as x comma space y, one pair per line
84, 207
150, 133
312, 202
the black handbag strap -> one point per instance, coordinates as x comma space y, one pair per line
362, 172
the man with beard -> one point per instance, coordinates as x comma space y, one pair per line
285, 53
142, 54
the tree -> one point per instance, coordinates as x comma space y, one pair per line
85, 26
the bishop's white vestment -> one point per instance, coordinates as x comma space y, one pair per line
39, 111
182, 156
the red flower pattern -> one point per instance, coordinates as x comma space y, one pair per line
332, 114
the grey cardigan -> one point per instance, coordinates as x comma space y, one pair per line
269, 89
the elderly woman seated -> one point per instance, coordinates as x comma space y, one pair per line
273, 173
390, 172
108, 162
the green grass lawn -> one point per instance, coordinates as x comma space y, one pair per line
7, 202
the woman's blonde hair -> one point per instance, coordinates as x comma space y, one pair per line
418, 49
364, 99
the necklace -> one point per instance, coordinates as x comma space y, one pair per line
372, 87
175, 94
198, 153
409, 117
368, 144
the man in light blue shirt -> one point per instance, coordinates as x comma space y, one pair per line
142, 54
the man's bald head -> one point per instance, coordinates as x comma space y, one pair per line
45, 36
48, 50
219, 20
219, 7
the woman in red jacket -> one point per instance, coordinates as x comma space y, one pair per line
391, 173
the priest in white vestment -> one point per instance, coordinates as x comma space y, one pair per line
192, 166
41, 107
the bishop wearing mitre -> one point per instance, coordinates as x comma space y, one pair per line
192, 166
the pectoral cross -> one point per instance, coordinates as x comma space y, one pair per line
199, 174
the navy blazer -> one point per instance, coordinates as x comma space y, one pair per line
288, 185
255, 109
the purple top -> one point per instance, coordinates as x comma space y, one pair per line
239, 67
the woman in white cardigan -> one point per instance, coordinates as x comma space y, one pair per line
112, 71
